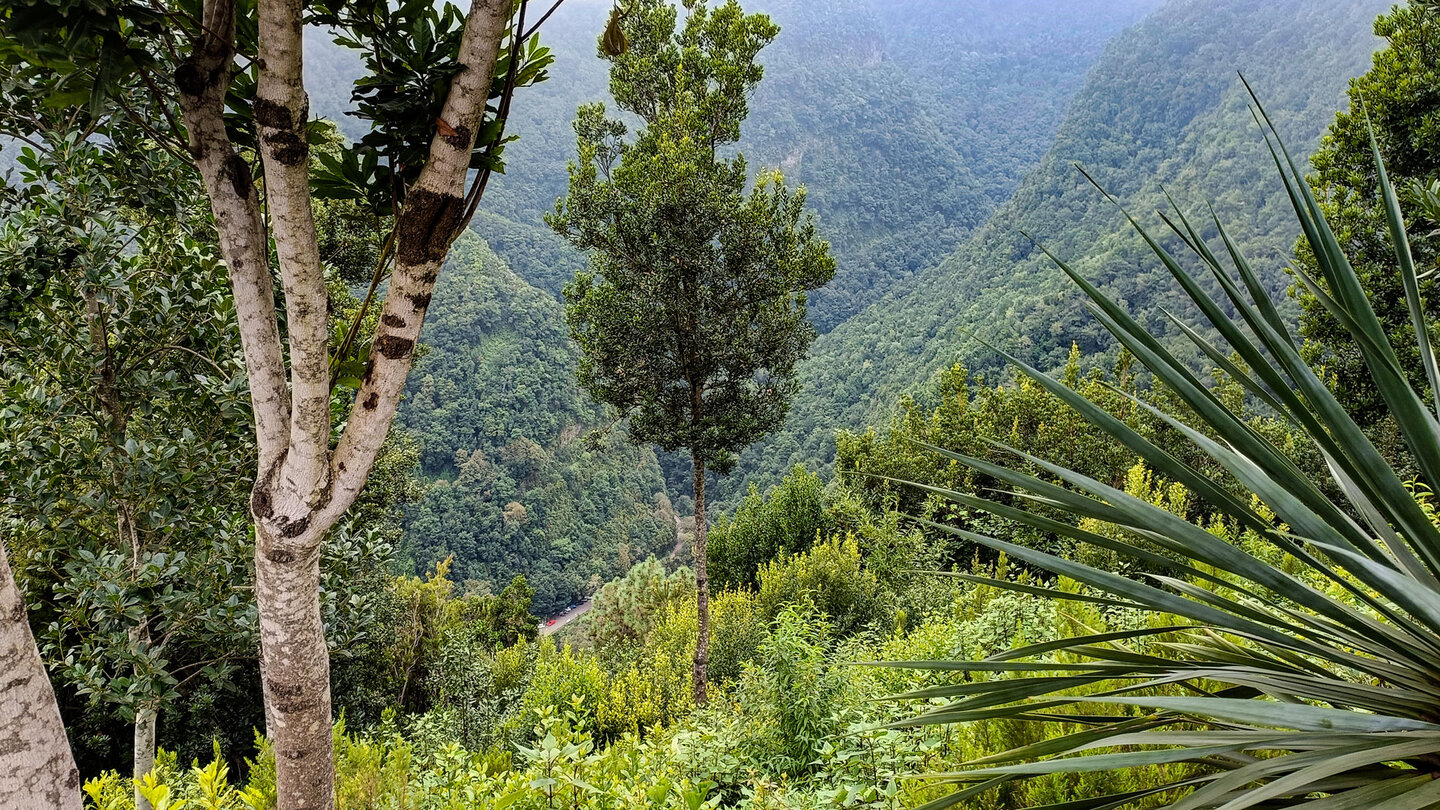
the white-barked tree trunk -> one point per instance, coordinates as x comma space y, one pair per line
302, 487
36, 766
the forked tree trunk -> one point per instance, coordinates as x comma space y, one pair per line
303, 487
701, 677
36, 766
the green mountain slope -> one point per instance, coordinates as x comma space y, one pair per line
1163, 107
910, 122
516, 485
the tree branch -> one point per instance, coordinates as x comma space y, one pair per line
203, 80
428, 225
223, 375
543, 17
281, 111
354, 330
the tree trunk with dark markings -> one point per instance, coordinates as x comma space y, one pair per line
295, 668
303, 486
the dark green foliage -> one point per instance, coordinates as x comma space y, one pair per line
789, 518
910, 122
430, 641
516, 487
692, 317
627, 609
92, 46
505, 619
489, 377
124, 429
973, 418
1400, 98
1163, 107
409, 53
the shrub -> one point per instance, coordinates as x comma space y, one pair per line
790, 518
829, 576
736, 630
795, 691
627, 608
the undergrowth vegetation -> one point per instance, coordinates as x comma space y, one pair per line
795, 722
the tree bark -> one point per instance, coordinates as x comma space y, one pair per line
302, 488
37, 768
143, 759
281, 111
701, 675
295, 668
203, 80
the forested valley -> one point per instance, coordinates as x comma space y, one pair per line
750, 404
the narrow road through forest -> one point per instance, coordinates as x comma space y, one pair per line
564, 618
682, 538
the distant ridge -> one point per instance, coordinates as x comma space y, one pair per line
1163, 106
909, 120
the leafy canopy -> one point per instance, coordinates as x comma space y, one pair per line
692, 315
1400, 98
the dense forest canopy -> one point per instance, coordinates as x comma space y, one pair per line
523, 479
905, 139
909, 122
1102, 422
1162, 111
877, 128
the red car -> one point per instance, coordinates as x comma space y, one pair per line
550, 623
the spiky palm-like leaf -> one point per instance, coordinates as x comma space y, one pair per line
1316, 683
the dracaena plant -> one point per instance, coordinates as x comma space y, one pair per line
1298, 669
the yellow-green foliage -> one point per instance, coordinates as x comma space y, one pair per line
1141, 482
651, 685
801, 729
652, 690
564, 673
830, 576
563, 768
736, 630
171, 787
797, 724
737, 626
